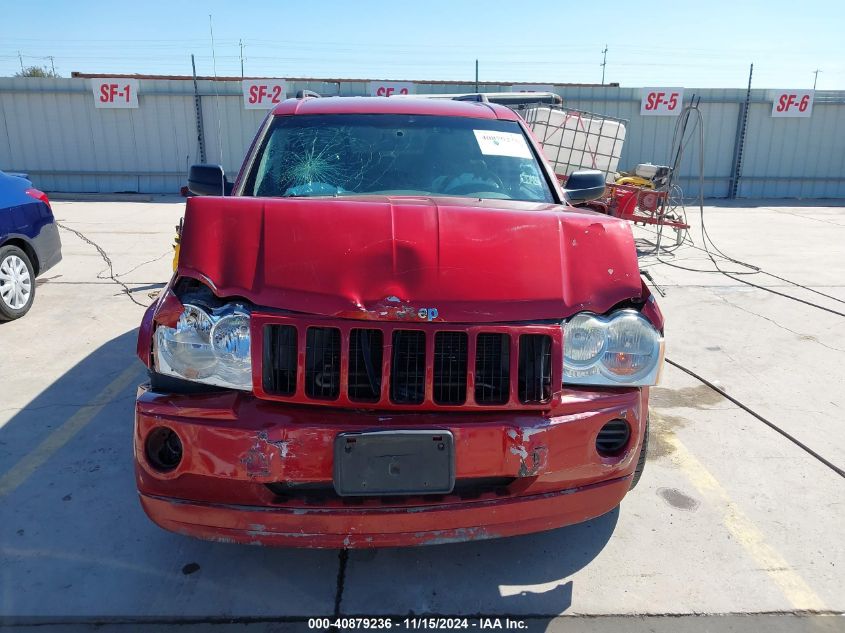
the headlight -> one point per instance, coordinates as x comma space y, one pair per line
212, 348
622, 349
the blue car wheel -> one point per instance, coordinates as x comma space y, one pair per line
17, 283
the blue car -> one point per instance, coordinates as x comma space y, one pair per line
29, 243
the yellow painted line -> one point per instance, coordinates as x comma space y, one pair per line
795, 588
36, 458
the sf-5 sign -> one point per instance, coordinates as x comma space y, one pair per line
115, 93
662, 101
792, 103
261, 94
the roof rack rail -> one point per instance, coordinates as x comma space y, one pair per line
510, 99
305, 94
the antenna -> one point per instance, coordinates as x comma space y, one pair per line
216, 94
816, 78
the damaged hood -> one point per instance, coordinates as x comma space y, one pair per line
378, 257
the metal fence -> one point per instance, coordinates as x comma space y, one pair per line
50, 129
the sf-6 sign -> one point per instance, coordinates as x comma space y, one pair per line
261, 94
792, 103
662, 101
115, 93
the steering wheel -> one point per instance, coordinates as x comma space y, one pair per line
477, 185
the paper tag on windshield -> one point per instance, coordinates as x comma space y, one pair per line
502, 144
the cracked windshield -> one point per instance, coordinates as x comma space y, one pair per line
398, 155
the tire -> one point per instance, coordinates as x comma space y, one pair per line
17, 283
638, 471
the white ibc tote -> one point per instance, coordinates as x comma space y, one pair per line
573, 139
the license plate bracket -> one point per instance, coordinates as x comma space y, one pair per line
396, 462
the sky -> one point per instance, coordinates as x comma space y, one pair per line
708, 44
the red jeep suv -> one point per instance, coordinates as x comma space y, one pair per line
393, 329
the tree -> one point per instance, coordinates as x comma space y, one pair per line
37, 71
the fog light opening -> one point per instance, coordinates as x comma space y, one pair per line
164, 449
613, 438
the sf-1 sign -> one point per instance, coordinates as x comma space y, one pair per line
662, 101
115, 93
390, 88
792, 103
261, 94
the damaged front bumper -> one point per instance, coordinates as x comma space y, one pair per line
260, 472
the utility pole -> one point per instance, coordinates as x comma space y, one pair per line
52, 64
241, 44
603, 63
816, 73
20, 59
476, 75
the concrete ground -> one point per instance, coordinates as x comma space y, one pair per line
731, 517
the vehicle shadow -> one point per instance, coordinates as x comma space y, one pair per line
515, 577
75, 543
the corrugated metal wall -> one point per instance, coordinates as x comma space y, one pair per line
51, 129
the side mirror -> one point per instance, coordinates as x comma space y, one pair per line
583, 186
208, 180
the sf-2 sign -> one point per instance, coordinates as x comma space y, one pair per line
115, 93
792, 103
261, 94
662, 101
390, 88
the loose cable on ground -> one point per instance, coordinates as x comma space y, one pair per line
768, 423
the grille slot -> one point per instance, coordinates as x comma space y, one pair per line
322, 363
366, 349
450, 368
492, 368
407, 371
535, 368
280, 360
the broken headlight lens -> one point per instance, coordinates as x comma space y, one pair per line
209, 347
622, 349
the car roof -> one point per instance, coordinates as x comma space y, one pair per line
387, 105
